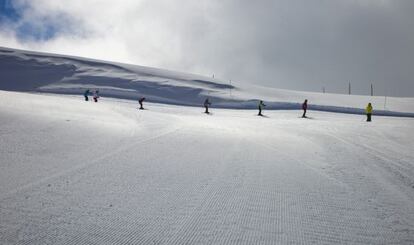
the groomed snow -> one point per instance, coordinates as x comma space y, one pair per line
76, 172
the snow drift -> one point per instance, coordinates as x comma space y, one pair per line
41, 72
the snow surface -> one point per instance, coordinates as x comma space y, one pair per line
76, 172
32, 71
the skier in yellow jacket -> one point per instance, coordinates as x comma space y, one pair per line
368, 111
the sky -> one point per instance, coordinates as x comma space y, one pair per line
291, 44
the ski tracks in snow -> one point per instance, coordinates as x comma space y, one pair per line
378, 181
124, 145
326, 210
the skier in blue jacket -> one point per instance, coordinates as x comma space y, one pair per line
87, 92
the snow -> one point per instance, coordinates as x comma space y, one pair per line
77, 172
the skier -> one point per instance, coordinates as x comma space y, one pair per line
87, 92
304, 108
207, 103
368, 111
141, 100
96, 95
261, 106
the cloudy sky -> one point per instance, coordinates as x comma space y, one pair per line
292, 44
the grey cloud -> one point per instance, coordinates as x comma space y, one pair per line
293, 44
309, 44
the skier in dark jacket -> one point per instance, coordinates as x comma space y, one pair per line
304, 108
261, 106
87, 92
140, 101
207, 103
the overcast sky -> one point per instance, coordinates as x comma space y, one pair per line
292, 44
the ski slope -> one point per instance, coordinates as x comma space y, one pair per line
76, 172
41, 72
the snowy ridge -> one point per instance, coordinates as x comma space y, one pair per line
41, 72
